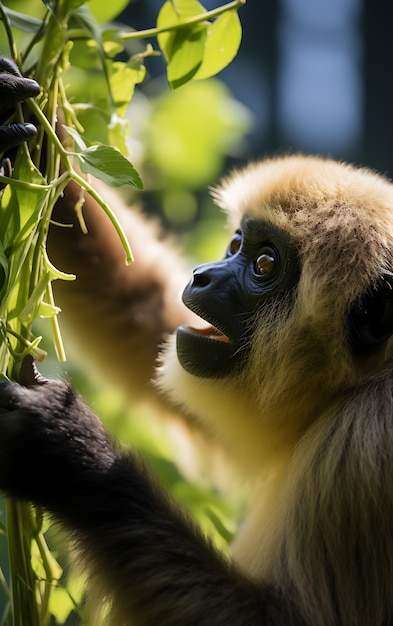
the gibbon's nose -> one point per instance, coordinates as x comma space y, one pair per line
209, 274
201, 277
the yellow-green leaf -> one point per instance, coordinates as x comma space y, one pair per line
123, 79
173, 13
110, 166
186, 54
61, 604
47, 310
222, 43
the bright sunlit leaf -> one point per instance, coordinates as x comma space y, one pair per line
112, 42
172, 14
107, 164
123, 79
222, 44
186, 54
197, 51
61, 604
183, 49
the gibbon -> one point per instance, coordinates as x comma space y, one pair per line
289, 366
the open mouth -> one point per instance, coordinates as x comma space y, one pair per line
206, 351
210, 332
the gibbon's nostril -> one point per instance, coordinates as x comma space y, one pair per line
201, 278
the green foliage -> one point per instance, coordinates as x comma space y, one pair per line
69, 48
199, 49
107, 164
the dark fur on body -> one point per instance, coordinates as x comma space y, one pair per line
158, 566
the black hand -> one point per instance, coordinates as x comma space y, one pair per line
50, 429
13, 89
13, 134
13, 86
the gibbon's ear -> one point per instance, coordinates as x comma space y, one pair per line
371, 318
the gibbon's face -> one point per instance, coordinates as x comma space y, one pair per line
260, 265
299, 310
314, 247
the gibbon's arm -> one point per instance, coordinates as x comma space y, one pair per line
143, 553
118, 315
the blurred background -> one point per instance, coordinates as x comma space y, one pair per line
314, 75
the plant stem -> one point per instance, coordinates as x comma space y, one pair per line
43, 121
153, 32
8, 30
85, 185
22, 576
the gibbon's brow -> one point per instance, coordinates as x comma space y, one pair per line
263, 231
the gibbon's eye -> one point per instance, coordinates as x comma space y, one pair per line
265, 264
234, 244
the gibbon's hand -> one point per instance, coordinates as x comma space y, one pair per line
48, 437
13, 89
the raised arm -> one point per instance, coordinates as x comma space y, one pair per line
118, 315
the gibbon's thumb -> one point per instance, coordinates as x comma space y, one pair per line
29, 376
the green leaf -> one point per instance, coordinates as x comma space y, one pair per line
198, 51
222, 43
118, 132
107, 164
21, 207
61, 604
23, 22
31, 307
107, 11
186, 52
219, 525
172, 14
122, 83
112, 42
53, 47
47, 310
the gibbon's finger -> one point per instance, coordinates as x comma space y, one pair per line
5, 170
29, 376
9, 66
14, 134
5, 167
13, 89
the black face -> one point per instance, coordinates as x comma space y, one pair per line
260, 265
